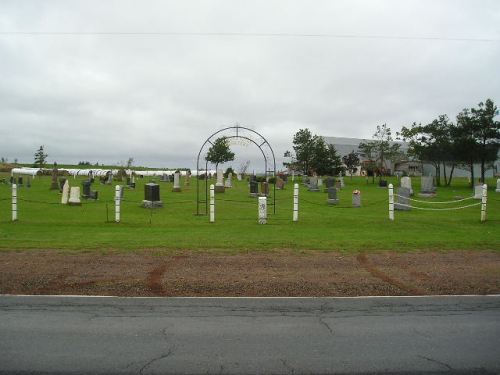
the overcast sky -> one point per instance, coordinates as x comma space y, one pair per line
92, 81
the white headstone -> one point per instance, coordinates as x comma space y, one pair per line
238, 176
320, 182
478, 191
498, 186
342, 184
177, 182
406, 183
74, 196
65, 193
220, 178
262, 210
219, 185
229, 181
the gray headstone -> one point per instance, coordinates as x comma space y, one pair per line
229, 181
403, 198
478, 191
498, 186
356, 198
177, 182
332, 196
74, 196
86, 188
406, 183
427, 185
313, 184
219, 185
254, 187
330, 183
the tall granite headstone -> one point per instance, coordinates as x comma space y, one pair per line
497, 190
254, 187
54, 185
65, 193
177, 183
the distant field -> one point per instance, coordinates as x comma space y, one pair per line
46, 224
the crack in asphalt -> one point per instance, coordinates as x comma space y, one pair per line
156, 359
325, 324
436, 361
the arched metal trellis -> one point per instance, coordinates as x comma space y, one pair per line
233, 132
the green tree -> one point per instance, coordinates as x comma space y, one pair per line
486, 132
219, 152
40, 157
324, 159
303, 145
381, 148
351, 161
434, 143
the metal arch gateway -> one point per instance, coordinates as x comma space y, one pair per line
236, 132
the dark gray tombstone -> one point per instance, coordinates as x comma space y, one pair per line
151, 196
12, 180
86, 189
382, 183
330, 183
54, 185
19, 181
28, 183
254, 188
403, 197
62, 181
332, 196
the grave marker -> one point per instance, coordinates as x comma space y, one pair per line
74, 196
403, 198
332, 196
177, 183
152, 196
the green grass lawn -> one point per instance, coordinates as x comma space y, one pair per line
45, 224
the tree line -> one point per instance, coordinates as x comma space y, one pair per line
473, 138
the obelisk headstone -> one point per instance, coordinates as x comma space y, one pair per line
65, 193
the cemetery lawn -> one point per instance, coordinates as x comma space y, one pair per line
46, 224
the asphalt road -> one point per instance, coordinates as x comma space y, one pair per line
99, 335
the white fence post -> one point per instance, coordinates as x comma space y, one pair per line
117, 203
262, 210
212, 203
484, 199
391, 202
14, 202
296, 202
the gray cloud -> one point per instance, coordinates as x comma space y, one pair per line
158, 97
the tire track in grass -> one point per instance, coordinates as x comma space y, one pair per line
374, 271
